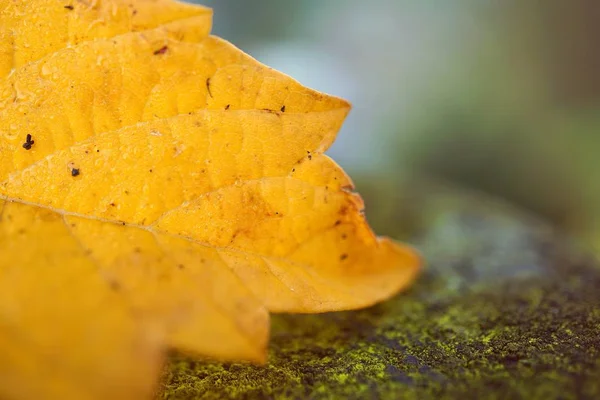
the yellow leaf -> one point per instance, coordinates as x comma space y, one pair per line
161, 189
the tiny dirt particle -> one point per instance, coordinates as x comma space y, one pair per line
208, 87
73, 168
28, 142
162, 50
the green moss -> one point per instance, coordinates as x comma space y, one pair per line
505, 309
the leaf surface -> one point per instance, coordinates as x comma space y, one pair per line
172, 191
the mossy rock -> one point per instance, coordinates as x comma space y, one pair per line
506, 308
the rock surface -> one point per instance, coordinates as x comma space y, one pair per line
506, 308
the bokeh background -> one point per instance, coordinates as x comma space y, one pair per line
494, 97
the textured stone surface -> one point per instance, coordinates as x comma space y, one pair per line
505, 309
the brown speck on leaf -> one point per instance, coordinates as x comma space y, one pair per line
150, 171
338, 222
75, 172
134, 12
293, 169
208, 87
343, 257
282, 108
309, 155
227, 107
69, 7
113, 205
180, 266
28, 142
344, 236
162, 50
137, 250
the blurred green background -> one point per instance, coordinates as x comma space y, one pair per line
499, 97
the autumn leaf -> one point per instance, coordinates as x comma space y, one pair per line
161, 189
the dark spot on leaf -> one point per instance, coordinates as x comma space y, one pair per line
150, 171
227, 107
114, 285
343, 257
338, 222
344, 236
112, 204
69, 7
162, 50
137, 250
74, 171
181, 266
282, 109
